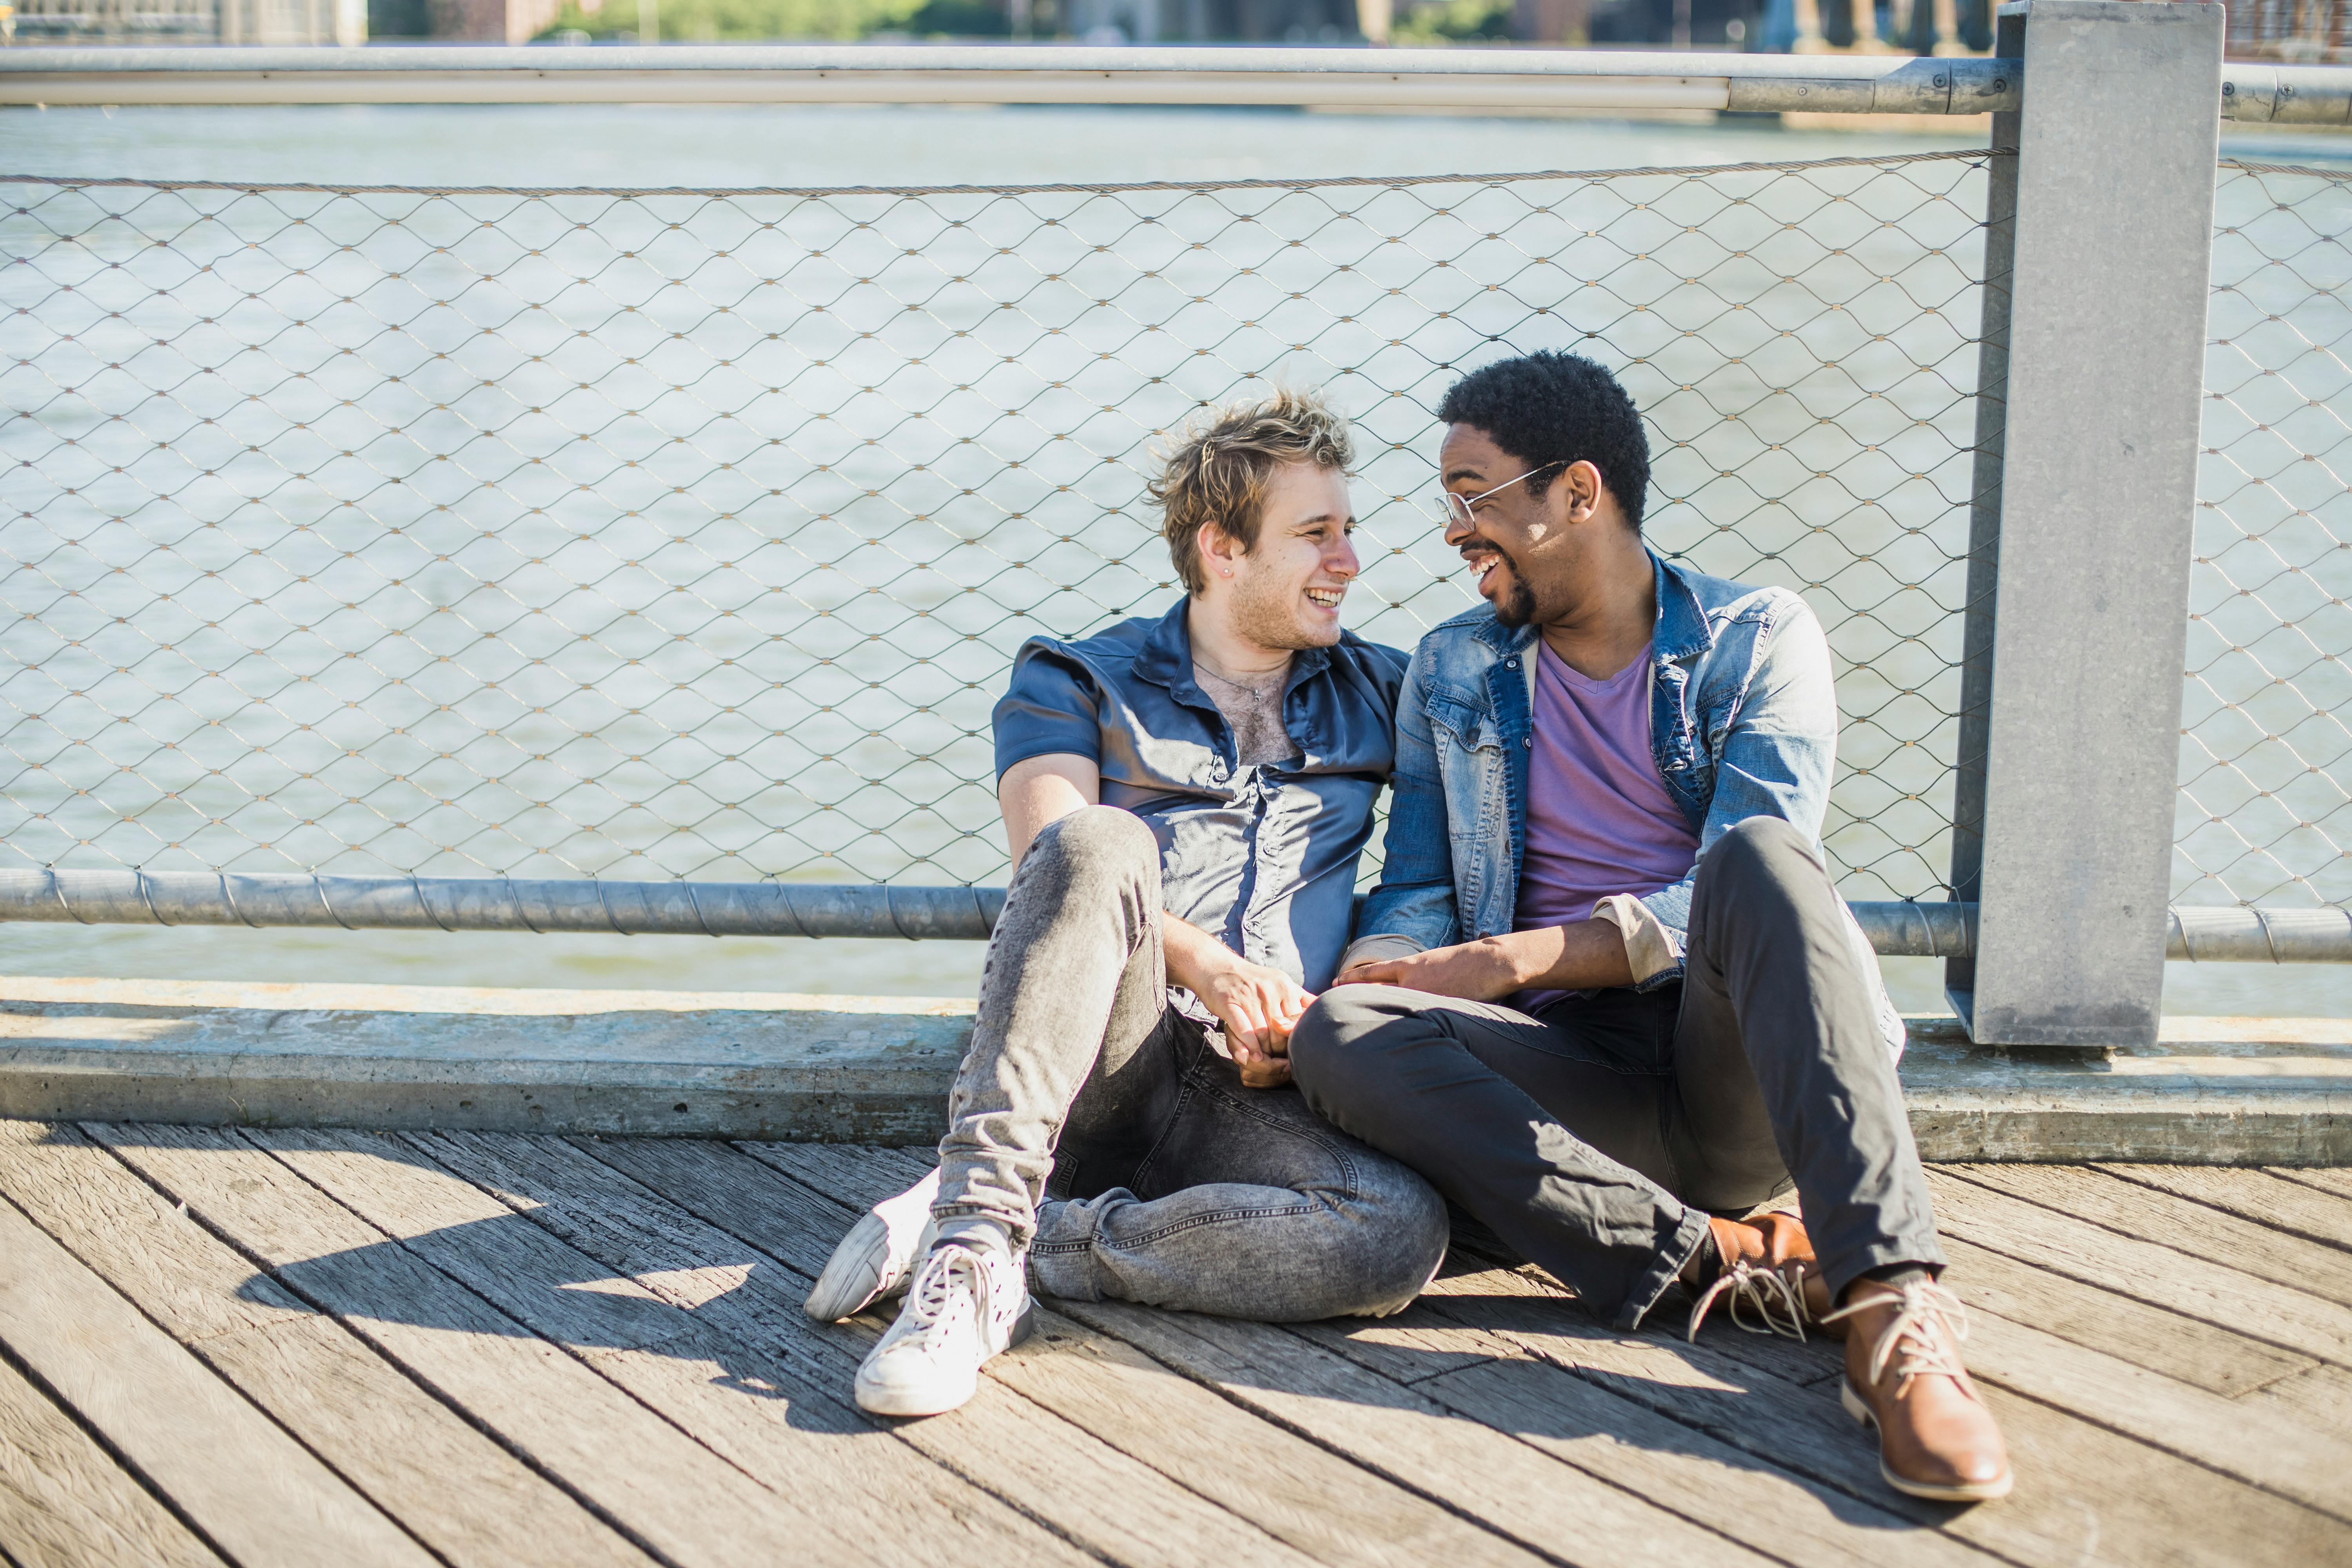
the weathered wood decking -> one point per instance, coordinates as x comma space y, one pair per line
307, 1348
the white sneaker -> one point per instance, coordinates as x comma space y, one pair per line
968, 1301
872, 1261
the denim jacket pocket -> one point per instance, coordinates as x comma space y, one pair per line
1466, 724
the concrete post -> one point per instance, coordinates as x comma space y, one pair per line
1984, 516
2111, 247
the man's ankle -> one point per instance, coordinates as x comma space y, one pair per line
975, 1230
1705, 1262
1891, 1276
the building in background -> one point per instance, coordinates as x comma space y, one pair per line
1779, 27
1205, 21
280, 22
2316, 31
190, 22
2313, 32
2297, 30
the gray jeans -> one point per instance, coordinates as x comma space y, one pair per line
1596, 1138
1102, 1128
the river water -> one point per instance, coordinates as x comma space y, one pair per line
1894, 636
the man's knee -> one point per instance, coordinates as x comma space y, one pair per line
1342, 1032
1759, 850
1094, 839
1414, 1227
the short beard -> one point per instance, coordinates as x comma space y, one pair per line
1269, 617
1518, 606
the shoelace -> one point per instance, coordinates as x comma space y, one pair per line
932, 1299
1760, 1290
1919, 1305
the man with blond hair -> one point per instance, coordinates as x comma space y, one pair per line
1185, 798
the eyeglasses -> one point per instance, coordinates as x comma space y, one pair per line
1456, 510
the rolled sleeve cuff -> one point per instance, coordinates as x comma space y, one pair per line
1376, 947
1651, 949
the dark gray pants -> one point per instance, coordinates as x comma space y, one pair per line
1596, 1138
1096, 1126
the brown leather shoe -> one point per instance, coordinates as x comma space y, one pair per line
1762, 1268
1784, 1236
1904, 1376
1789, 1252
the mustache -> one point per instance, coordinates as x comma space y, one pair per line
1481, 546
1519, 606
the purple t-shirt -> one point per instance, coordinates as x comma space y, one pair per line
1599, 821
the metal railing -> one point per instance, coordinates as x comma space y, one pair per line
1325, 77
1383, 78
649, 560
690, 534
1900, 929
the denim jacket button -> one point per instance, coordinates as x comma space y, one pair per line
1510, 664
1528, 741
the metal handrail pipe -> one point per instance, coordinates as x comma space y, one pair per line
2287, 95
991, 74
1880, 84
497, 903
1901, 928
2243, 934
1896, 929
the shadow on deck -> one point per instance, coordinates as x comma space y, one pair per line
300, 1346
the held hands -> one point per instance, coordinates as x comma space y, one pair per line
1258, 1006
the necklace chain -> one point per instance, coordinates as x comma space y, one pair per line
1257, 693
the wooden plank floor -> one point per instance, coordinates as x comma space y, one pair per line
488, 1349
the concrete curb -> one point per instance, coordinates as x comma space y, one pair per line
2212, 1091
711, 1065
875, 1069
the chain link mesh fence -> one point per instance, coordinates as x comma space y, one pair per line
690, 534
2265, 811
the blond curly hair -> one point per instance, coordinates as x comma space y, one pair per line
1219, 469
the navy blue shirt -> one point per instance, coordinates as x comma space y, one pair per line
1263, 858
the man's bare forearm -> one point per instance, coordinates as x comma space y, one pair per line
1191, 954
1581, 956
1039, 792
1584, 955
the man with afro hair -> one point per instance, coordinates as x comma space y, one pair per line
1605, 996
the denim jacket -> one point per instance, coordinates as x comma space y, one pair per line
1743, 722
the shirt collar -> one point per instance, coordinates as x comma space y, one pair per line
1682, 629
1166, 657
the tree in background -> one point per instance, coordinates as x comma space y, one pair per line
1452, 22
749, 21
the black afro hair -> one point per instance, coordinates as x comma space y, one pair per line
1558, 408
